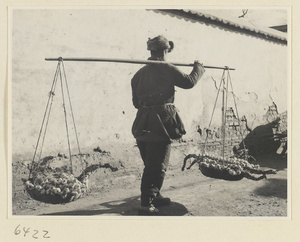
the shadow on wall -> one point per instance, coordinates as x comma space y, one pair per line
126, 207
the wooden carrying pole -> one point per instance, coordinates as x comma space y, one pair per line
131, 61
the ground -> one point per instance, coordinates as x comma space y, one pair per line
192, 193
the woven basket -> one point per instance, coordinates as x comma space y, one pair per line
48, 198
219, 174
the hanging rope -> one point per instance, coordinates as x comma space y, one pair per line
46, 127
224, 83
66, 121
72, 111
225, 91
45, 114
46, 118
223, 116
215, 104
237, 114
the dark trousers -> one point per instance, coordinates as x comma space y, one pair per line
155, 156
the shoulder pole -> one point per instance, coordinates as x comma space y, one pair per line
132, 62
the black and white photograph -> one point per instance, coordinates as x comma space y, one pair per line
150, 112
143, 121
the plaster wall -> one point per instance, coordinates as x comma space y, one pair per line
101, 93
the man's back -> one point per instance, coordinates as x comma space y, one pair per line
153, 85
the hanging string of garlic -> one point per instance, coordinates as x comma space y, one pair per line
226, 168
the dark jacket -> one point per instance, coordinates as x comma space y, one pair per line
153, 89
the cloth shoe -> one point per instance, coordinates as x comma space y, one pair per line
150, 210
161, 201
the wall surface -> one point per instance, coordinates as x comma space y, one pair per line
100, 93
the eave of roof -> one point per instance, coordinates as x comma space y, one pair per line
197, 16
282, 28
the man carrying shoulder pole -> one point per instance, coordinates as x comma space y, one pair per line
157, 121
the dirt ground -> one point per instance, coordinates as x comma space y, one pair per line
192, 193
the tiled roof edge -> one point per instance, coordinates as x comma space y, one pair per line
209, 19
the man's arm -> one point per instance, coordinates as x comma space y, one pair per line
186, 81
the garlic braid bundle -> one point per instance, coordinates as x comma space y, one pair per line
226, 168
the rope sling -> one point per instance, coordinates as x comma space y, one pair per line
42, 134
222, 167
224, 87
57, 185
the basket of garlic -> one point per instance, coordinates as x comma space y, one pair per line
58, 185
55, 187
226, 168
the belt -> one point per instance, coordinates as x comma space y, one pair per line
160, 105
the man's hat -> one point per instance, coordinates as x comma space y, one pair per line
160, 43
